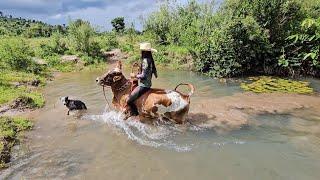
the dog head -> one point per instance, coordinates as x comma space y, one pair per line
64, 100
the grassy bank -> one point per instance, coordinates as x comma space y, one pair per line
10, 131
21, 86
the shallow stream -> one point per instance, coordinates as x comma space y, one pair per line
100, 145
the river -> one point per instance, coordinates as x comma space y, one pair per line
100, 145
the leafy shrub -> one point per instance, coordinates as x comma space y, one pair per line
81, 40
238, 37
94, 49
109, 42
58, 43
22, 123
127, 47
16, 55
9, 129
161, 57
89, 60
80, 35
302, 56
53, 60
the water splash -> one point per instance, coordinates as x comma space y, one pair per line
160, 135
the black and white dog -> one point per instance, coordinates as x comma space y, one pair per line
73, 104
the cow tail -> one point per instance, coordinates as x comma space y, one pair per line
186, 84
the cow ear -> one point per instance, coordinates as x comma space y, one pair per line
119, 65
116, 78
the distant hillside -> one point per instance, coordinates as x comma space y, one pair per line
13, 26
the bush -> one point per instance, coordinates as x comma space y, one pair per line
80, 35
16, 55
238, 38
94, 49
53, 60
58, 43
302, 55
9, 129
108, 41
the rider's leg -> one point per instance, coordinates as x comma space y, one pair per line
135, 94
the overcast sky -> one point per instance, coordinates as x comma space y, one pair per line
98, 12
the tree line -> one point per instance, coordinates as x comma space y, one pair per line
234, 38
13, 26
243, 37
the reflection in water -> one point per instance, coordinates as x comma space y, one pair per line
231, 136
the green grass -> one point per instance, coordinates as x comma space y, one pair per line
33, 99
265, 84
9, 93
9, 129
65, 67
20, 77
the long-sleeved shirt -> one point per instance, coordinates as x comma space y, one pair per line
146, 73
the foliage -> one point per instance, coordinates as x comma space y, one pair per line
22, 124
108, 41
15, 54
9, 91
80, 36
29, 28
55, 64
9, 129
266, 84
118, 24
302, 56
20, 77
56, 45
239, 37
30, 99
82, 41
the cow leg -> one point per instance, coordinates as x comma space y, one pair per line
179, 117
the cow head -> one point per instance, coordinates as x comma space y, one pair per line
112, 77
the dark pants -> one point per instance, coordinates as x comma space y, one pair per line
135, 94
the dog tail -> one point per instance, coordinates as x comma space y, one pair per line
192, 89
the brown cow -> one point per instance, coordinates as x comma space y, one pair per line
170, 104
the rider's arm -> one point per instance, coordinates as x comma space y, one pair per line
144, 69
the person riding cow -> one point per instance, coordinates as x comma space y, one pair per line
148, 69
142, 100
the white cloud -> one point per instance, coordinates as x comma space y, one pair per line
56, 16
98, 12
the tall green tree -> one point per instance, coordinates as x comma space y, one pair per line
118, 24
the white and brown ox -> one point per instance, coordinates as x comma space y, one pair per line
155, 103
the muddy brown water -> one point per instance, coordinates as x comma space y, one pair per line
256, 137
